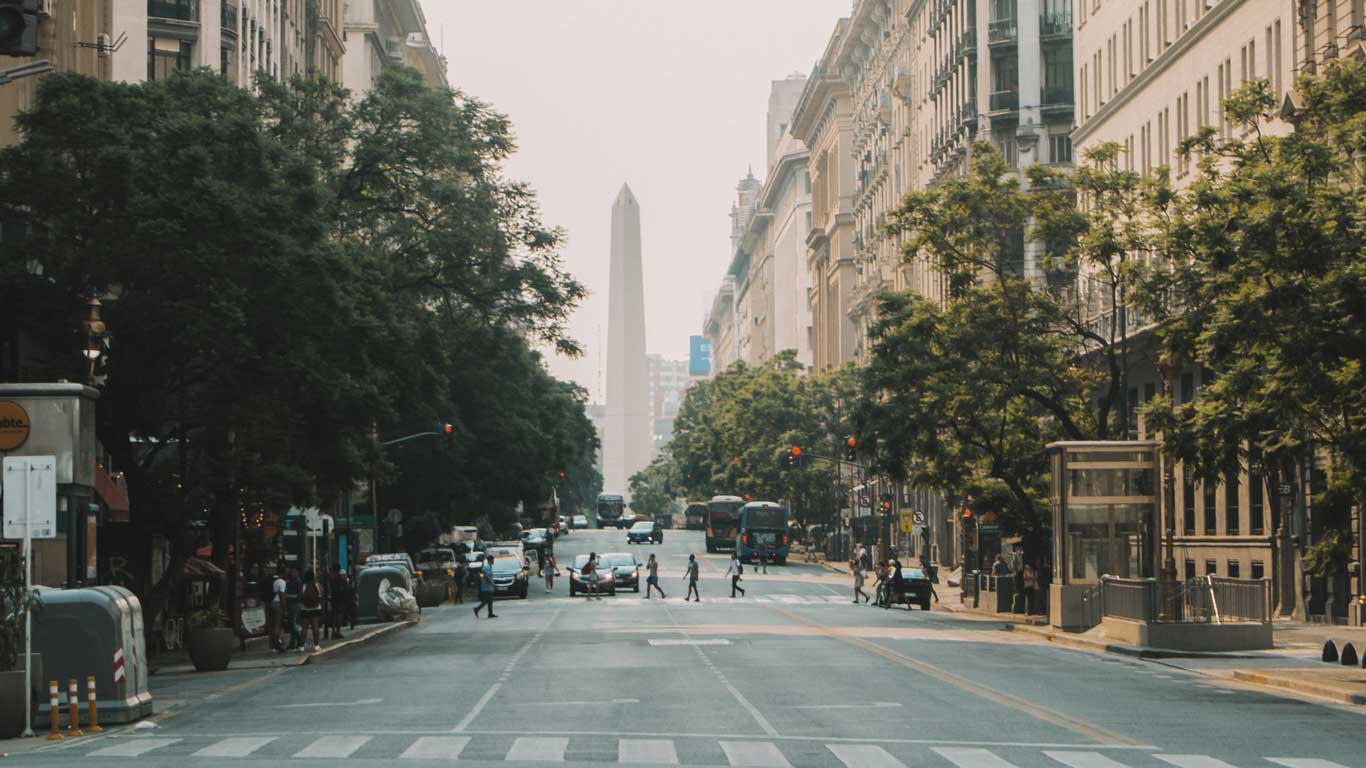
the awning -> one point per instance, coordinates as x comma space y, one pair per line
113, 493
196, 568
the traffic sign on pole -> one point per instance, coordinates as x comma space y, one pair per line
30, 510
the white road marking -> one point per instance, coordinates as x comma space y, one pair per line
237, 746
789, 599
335, 747
538, 748
1304, 762
133, 747
838, 599
753, 710
869, 705
754, 754
660, 751
1084, 760
436, 748
478, 707
864, 756
574, 703
971, 758
1193, 761
330, 704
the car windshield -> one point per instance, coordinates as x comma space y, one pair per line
473, 557
505, 565
435, 556
643, 526
619, 559
912, 573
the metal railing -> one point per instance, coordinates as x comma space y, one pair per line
1054, 23
1002, 31
181, 10
228, 18
1005, 100
1199, 600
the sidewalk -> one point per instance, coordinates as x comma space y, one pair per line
259, 654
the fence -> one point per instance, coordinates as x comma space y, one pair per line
1200, 600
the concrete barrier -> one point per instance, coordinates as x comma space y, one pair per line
1347, 655
1330, 652
1231, 636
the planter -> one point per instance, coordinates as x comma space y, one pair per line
12, 696
211, 649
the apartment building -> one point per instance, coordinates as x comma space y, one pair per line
70, 37
385, 33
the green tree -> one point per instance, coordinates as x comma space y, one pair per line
652, 489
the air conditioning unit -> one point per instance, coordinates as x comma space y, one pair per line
104, 44
44, 7
393, 48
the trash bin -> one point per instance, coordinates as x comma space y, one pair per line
371, 582
96, 631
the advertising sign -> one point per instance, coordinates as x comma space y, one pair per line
14, 425
699, 356
30, 484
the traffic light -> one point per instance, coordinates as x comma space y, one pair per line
794, 456
851, 449
19, 27
561, 474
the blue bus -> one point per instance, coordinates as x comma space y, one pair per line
763, 532
723, 522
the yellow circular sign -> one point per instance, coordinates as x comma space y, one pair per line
14, 425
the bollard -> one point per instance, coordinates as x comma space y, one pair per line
73, 700
94, 725
54, 713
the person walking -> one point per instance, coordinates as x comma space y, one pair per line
293, 587
691, 577
486, 588
462, 574
880, 586
311, 610
734, 572
277, 611
339, 589
763, 562
652, 577
1030, 579
548, 569
589, 571
857, 570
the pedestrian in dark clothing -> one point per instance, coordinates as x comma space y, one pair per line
486, 589
294, 586
692, 580
734, 572
763, 562
339, 600
461, 574
311, 610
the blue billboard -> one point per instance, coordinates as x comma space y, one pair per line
699, 358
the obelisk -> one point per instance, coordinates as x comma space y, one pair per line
626, 440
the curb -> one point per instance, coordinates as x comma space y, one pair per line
383, 630
1312, 689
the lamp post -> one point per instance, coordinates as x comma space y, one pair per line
1170, 369
96, 337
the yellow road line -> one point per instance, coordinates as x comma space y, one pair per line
1081, 727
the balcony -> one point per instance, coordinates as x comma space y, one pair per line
968, 42
1057, 96
1055, 24
179, 10
1002, 32
228, 20
969, 110
1001, 101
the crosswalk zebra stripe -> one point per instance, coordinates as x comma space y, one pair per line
656, 751
538, 749
1193, 761
864, 756
965, 757
1084, 760
436, 748
1304, 762
133, 747
236, 746
334, 747
754, 754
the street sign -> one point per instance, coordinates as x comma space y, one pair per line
1285, 489
30, 497
865, 499
919, 517
907, 522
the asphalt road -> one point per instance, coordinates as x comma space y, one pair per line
791, 675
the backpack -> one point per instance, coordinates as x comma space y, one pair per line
312, 597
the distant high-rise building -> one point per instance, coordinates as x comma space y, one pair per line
669, 379
626, 444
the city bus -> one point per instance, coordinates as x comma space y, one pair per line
723, 522
609, 509
695, 516
763, 532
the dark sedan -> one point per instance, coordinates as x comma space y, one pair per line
645, 531
916, 590
509, 577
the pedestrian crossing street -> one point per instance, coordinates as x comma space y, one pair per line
631, 600
691, 750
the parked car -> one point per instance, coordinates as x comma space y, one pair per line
917, 590
606, 577
580, 521
536, 538
509, 577
645, 531
625, 569
474, 564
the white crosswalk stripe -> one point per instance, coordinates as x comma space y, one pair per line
1304, 762
967, 757
754, 754
1193, 761
436, 748
656, 751
1085, 760
334, 747
864, 756
133, 747
236, 746
538, 748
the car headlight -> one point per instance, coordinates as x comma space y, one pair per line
521, 575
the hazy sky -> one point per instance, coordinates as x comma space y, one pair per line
667, 96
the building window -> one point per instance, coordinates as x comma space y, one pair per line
1188, 506
1255, 505
1235, 569
1211, 568
1211, 518
1190, 569
1258, 569
1231, 510
162, 62
1059, 148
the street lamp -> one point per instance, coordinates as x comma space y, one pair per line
96, 337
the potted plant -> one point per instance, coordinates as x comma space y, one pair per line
16, 601
209, 639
